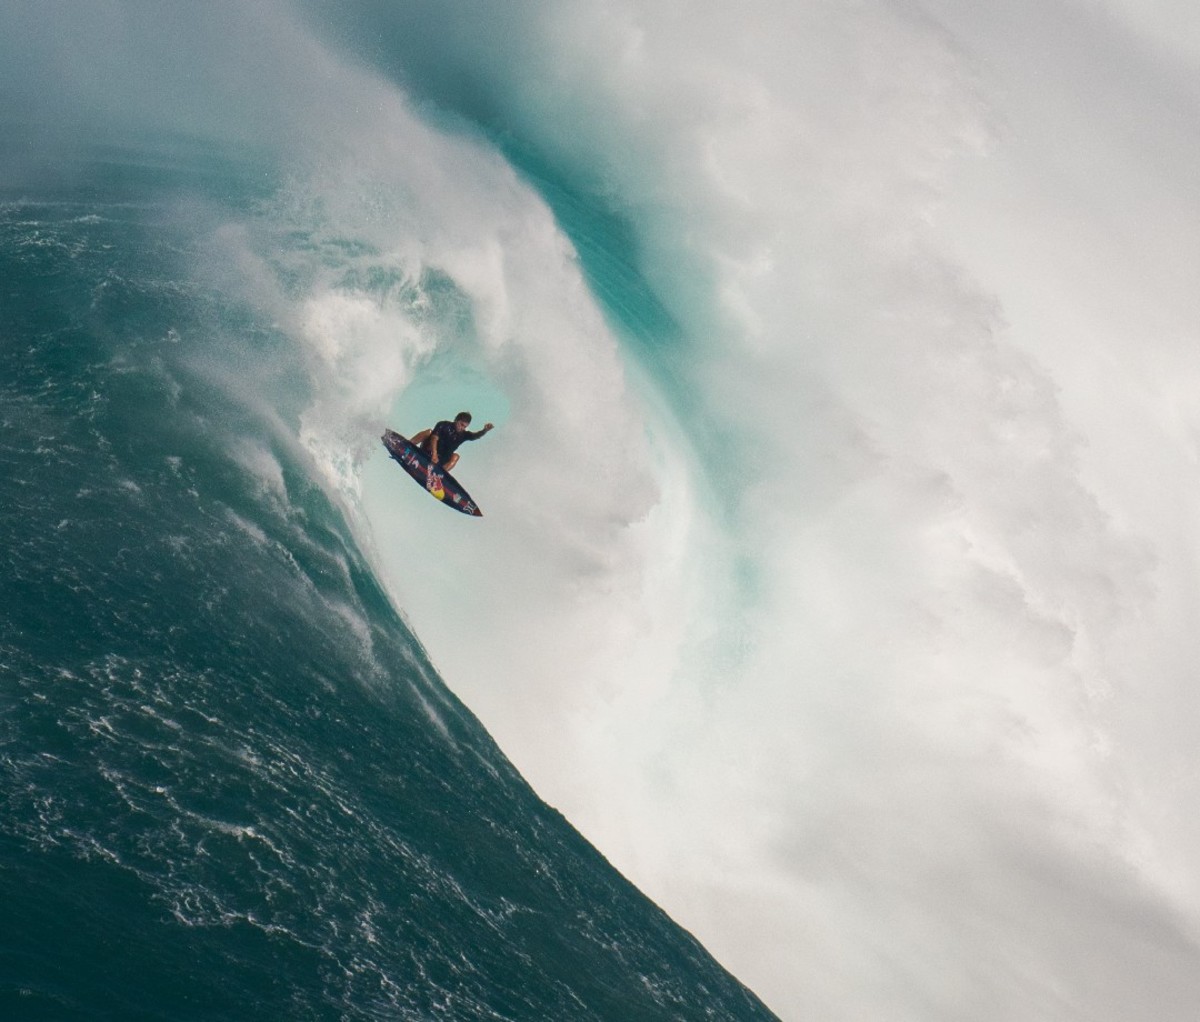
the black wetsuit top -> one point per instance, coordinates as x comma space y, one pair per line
449, 439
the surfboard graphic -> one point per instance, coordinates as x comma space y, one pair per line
432, 477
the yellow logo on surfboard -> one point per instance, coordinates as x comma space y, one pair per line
434, 485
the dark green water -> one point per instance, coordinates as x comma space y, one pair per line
233, 787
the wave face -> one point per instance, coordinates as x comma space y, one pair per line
233, 785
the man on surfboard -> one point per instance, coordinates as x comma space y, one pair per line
443, 440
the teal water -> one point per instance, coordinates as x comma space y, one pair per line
833, 580
233, 786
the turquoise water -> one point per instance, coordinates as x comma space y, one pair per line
233, 785
834, 580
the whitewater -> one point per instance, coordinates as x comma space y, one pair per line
837, 579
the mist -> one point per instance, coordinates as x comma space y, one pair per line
912, 737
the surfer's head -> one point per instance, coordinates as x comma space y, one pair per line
462, 420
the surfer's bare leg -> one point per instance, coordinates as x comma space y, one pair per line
421, 437
451, 463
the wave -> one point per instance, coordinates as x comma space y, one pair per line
817, 584
233, 784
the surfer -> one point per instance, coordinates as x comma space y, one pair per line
443, 440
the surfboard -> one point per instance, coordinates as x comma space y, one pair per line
433, 478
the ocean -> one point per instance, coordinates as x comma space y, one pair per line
826, 647
234, 785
